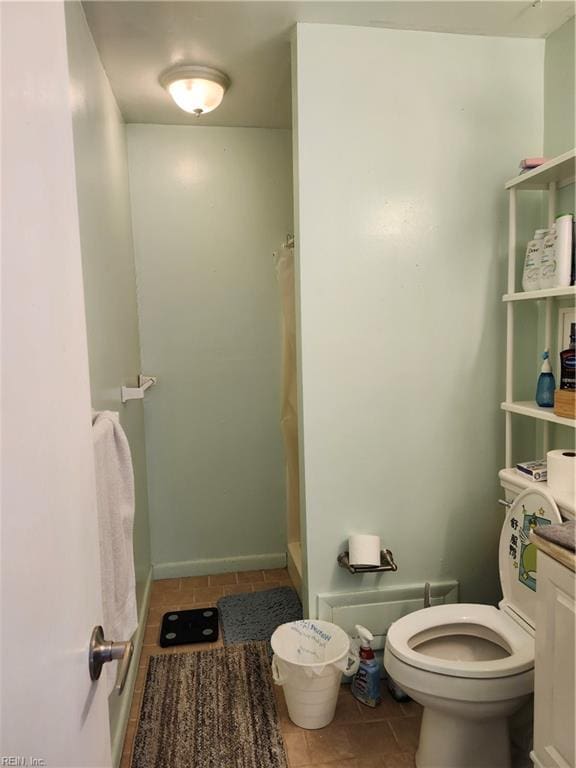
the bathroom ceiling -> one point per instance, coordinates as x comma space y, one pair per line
250, 42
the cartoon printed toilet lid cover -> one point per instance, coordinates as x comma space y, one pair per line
531, 508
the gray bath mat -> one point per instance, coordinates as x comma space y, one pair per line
209, 709
255, 615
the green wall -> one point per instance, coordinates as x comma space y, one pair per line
560, 90
402, 240
209, 206
108, 268
559, 137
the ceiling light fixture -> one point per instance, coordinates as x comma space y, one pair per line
195, 89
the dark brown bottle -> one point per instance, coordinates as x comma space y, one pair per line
568, 362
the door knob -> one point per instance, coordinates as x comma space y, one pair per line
102, 650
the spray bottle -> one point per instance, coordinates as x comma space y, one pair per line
546, 384
366, 682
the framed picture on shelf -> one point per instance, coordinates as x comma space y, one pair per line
566, 316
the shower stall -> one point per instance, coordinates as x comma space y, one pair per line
284, 261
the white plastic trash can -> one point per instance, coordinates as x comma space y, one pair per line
309, 660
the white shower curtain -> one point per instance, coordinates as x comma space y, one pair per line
284, 260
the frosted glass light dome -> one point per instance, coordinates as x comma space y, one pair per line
195, 89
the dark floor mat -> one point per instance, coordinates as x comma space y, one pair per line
255, 615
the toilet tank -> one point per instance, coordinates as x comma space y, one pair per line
513, 483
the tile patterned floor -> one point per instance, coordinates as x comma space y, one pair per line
359, 737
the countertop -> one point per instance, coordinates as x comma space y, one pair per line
561, 555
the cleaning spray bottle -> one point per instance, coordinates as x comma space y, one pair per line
366, 682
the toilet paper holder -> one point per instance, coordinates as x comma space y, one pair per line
386, 563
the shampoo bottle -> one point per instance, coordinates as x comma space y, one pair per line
548, 262
546, 384
532, 266
564, 228
366, 682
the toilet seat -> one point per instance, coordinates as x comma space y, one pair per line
483, 621
510, 628
472, 666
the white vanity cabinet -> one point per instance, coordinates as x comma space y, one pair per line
555, 671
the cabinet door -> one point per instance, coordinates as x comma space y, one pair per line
554, 710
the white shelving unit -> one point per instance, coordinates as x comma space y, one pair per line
550, 177
530, 408
559, 171
545, 293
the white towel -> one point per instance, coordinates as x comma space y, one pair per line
115, 502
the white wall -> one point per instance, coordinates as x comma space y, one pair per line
403, 141
209, 206
107, 255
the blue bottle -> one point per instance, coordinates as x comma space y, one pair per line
546, 384
366, 682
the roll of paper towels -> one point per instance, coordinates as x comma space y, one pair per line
561, 465
364, 549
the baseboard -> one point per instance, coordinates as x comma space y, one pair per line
378, 608
123, 714
220, 565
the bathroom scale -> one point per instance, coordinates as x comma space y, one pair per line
184, 627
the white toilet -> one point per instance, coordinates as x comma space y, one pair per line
469, 665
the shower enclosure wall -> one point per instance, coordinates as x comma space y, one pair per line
289, 414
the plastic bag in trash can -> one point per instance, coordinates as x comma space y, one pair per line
312, 646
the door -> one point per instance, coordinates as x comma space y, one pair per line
51, 714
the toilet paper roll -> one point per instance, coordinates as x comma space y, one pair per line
561, 466
364, 549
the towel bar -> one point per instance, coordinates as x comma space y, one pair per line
137, 393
